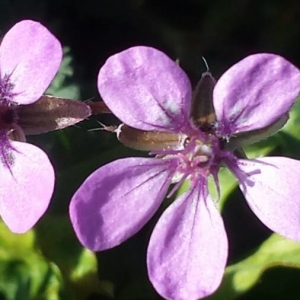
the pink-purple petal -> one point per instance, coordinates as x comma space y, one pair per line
272, 191
146, 90
30, 55
118, 199
27, 187
188, 248
255, 93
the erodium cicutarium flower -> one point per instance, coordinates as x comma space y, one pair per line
191, 135
29, 58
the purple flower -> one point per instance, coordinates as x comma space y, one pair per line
191, 139
29, 58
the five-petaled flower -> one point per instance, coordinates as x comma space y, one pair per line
192, 136
29, 59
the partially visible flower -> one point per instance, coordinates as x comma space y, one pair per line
29, 59
192, 136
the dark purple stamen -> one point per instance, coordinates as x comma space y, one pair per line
7, 119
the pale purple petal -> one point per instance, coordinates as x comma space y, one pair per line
188, 249
272, 191
118, 199
255, 93
27, 187
146, 90
31, 56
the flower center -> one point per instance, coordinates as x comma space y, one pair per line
7, 112
7, 119
198, 156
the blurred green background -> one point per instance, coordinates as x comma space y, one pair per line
48, 262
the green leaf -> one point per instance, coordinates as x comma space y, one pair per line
244, 275
227, 184
61, 85
293, 124
24, 272
78, 265
282, 138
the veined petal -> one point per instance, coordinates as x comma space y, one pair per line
118, 199
30, 55
188, 248
255, 93
27, 187
272, 190
251, 137
146, 90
